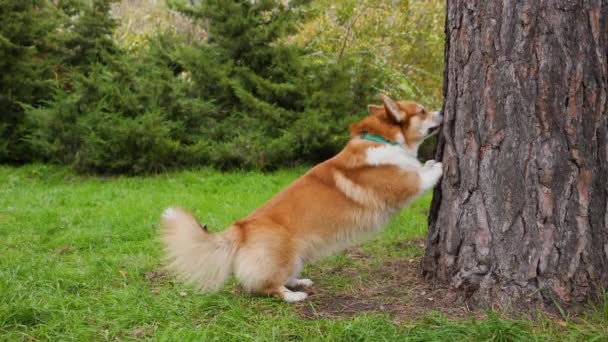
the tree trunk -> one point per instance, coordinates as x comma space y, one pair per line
522, 213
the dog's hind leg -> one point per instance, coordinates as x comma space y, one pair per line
295, 281
266, 261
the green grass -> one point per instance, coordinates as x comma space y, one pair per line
75, 252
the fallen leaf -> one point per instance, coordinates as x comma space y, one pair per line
123, 274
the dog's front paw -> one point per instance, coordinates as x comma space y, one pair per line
438, 167
429, 163
436, 171
431, 175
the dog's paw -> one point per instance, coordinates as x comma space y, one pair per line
299, 283
292, 297
438, 167
429, 163
430, 176
304, 282
436, 171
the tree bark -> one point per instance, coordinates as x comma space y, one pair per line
522, 210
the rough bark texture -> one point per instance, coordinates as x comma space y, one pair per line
522, 210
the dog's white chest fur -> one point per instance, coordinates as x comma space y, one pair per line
392, 155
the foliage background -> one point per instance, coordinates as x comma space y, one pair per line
140, 86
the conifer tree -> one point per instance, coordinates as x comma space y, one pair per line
259, 70
27, 60
264, 84
90, 41
116, 112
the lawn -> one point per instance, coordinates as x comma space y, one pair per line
80, 259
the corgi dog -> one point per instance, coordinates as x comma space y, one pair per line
334, 205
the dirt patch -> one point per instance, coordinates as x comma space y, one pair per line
155, 276
394, 287
345, 305
155, 279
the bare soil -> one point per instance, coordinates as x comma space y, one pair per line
395, 287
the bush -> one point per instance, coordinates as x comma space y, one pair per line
248, 97
276, 106
130, 115
27, 59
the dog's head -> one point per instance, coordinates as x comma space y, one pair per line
405, 122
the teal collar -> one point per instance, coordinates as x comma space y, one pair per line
377, 138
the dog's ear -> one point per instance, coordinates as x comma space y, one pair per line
374, 109
392, 110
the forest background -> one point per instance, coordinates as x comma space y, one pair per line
136, 86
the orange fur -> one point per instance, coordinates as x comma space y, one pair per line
335, 204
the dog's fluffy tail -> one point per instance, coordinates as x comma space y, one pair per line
196, 256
